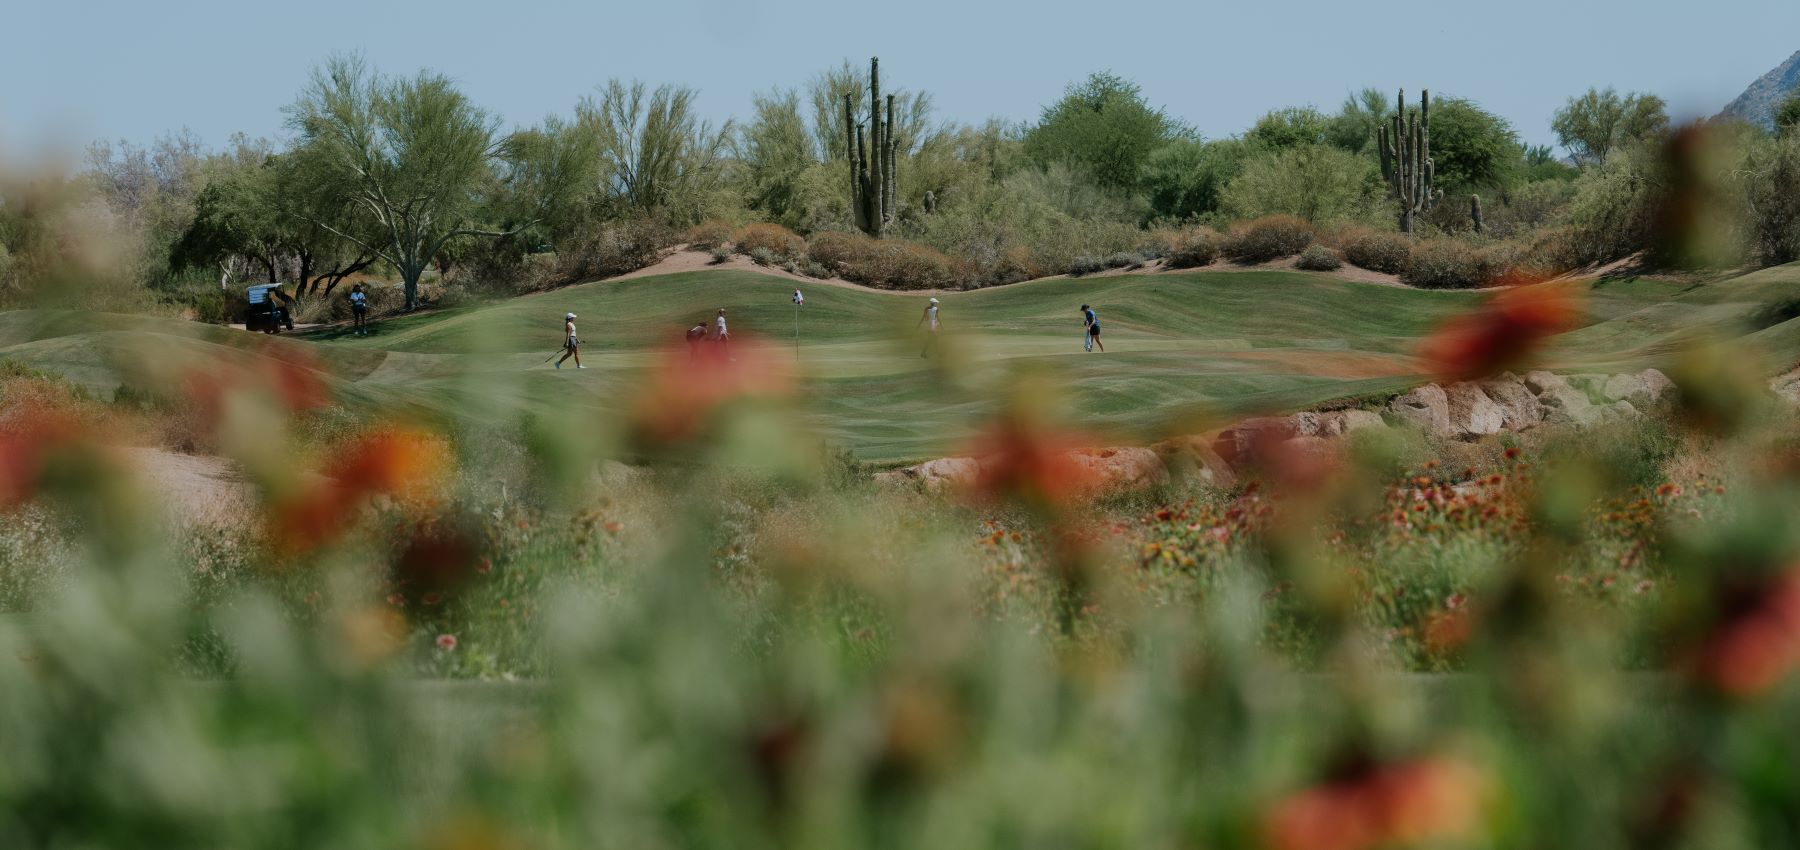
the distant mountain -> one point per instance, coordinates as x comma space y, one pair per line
1758, 102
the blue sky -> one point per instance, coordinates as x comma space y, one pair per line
76, 70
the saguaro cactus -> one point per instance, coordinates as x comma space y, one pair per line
1405, 145
873, 193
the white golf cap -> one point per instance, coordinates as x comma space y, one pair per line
570, 316
934, 300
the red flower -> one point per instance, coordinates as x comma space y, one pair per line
1758, 643
1503, 333
25, 449
446, 642
681, 394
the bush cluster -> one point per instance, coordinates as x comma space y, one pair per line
1445, 263
1318, 258
778, 241
707, 235
1195, 248
1388, 253
1268, 238
886, 263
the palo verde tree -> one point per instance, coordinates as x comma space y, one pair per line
1593, 124
411, 156
656, 156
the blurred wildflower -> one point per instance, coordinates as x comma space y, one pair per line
1503, 333
1757, 640
1431, 800
400, 462
446, 642
680, 395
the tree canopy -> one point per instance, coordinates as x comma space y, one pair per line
1591, 125
1102, 127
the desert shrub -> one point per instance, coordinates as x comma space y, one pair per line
1086, 265
456, 295
720, 256
1453, 264
886, 263
320, 308
1388, 253
762, 256
811, 268
1158, 244
1267, 238
1196, 247
713, 233
1614, 210
1012, 265
1773, 197
1318, 258
778, 241
614, 249
790, 267
837, 250
1312, 182
1124, 260
1529, 207
895, 264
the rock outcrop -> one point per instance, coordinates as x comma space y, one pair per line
1463, 411
1471, 412
1426, 408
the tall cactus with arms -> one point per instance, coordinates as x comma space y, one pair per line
873, 158
1405, 145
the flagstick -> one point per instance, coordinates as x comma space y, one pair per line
796, 331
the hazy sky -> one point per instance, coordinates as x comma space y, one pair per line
75, 70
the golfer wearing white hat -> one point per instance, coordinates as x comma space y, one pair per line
930, 321
571, 345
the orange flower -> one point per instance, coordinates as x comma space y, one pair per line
1424, 800
1503, 333
1029, 464
397, 462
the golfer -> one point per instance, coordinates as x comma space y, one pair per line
571, 344
721, 334
930, 321
359, 310
1092, 322
695, 336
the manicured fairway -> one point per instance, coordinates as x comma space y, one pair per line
1179, 346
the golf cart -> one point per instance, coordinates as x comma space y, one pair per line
264, 312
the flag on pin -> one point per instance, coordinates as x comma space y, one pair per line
798, 298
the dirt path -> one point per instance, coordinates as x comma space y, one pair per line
685, 259
196, 490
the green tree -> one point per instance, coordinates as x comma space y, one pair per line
413, 155
1353, 128
775, 149
656, 155
1787, 115
1103, 128
1593, 124
1185, 178
1291, 127
1471, 149
1316, 182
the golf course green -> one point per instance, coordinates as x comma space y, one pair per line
1180, 346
